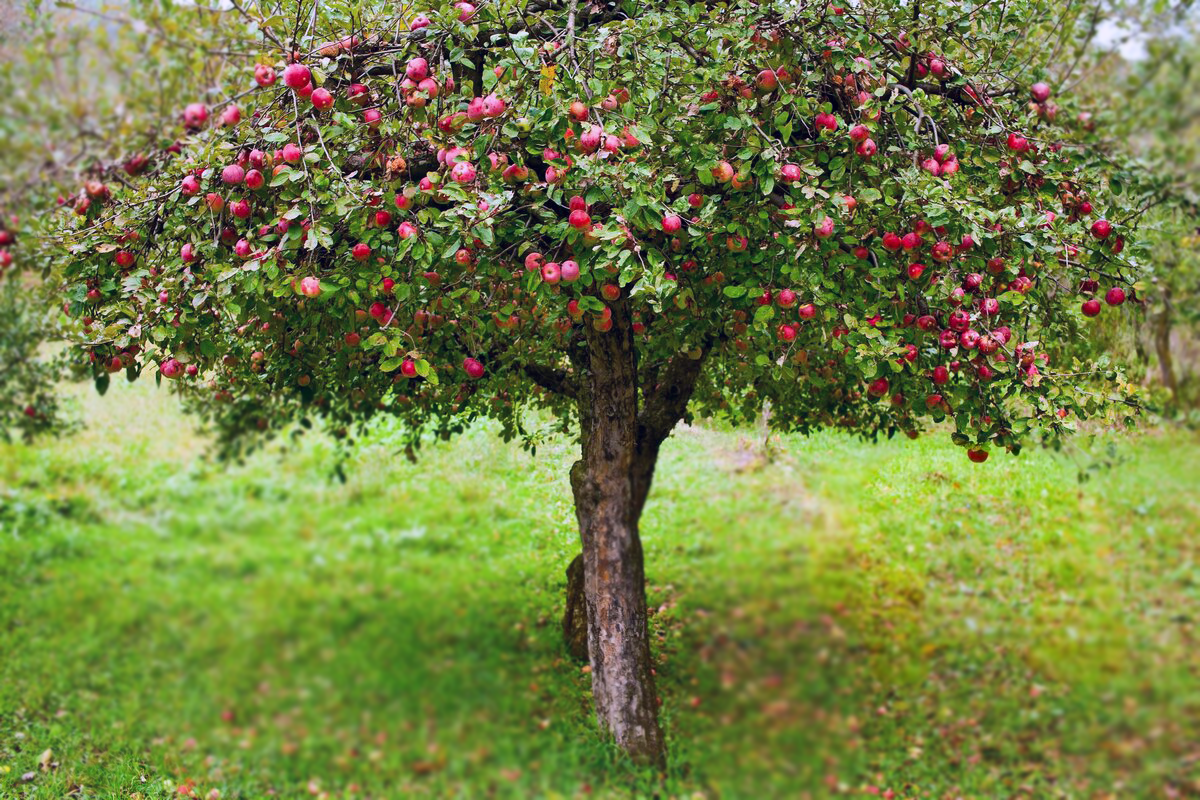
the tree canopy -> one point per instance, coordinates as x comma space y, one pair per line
872, 216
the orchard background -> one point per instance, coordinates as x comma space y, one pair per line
343, 342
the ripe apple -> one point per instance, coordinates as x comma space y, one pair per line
1090, 307
195, 115
189, 186
465, 12
569, 271
978, 456
826, 122
473, 367
1115, 296
322, 99
723, 172
580, 220
264, 75
463, 172
1040, 92
671, 223
824, 229
551, 272
361, 251
1101, 228
417, 70
170, 368
493, 106
310, 287
296, 76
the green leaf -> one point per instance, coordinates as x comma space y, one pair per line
764, 314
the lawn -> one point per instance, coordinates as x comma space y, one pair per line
841, 619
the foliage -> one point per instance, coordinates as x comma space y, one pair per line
29, 400
1165, 119
778, 278
882, 616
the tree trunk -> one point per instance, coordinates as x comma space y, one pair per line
1162, 346
574, 623
613, 569
606, 583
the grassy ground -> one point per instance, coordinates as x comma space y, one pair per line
848, 619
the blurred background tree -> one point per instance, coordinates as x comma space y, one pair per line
1146, 55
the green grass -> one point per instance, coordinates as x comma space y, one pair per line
846, 618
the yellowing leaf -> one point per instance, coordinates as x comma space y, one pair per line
547, 82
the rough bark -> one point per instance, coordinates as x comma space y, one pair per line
574, 623
614, 573
611, 482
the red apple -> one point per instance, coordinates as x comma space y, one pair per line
296, 76
471, 366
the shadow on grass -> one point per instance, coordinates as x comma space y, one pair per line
821, 626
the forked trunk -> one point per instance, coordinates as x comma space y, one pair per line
613, 569
605, 620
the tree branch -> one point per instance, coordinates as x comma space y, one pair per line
666, 402
552, 379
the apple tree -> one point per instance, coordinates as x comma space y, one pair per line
876, 216
29, 374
